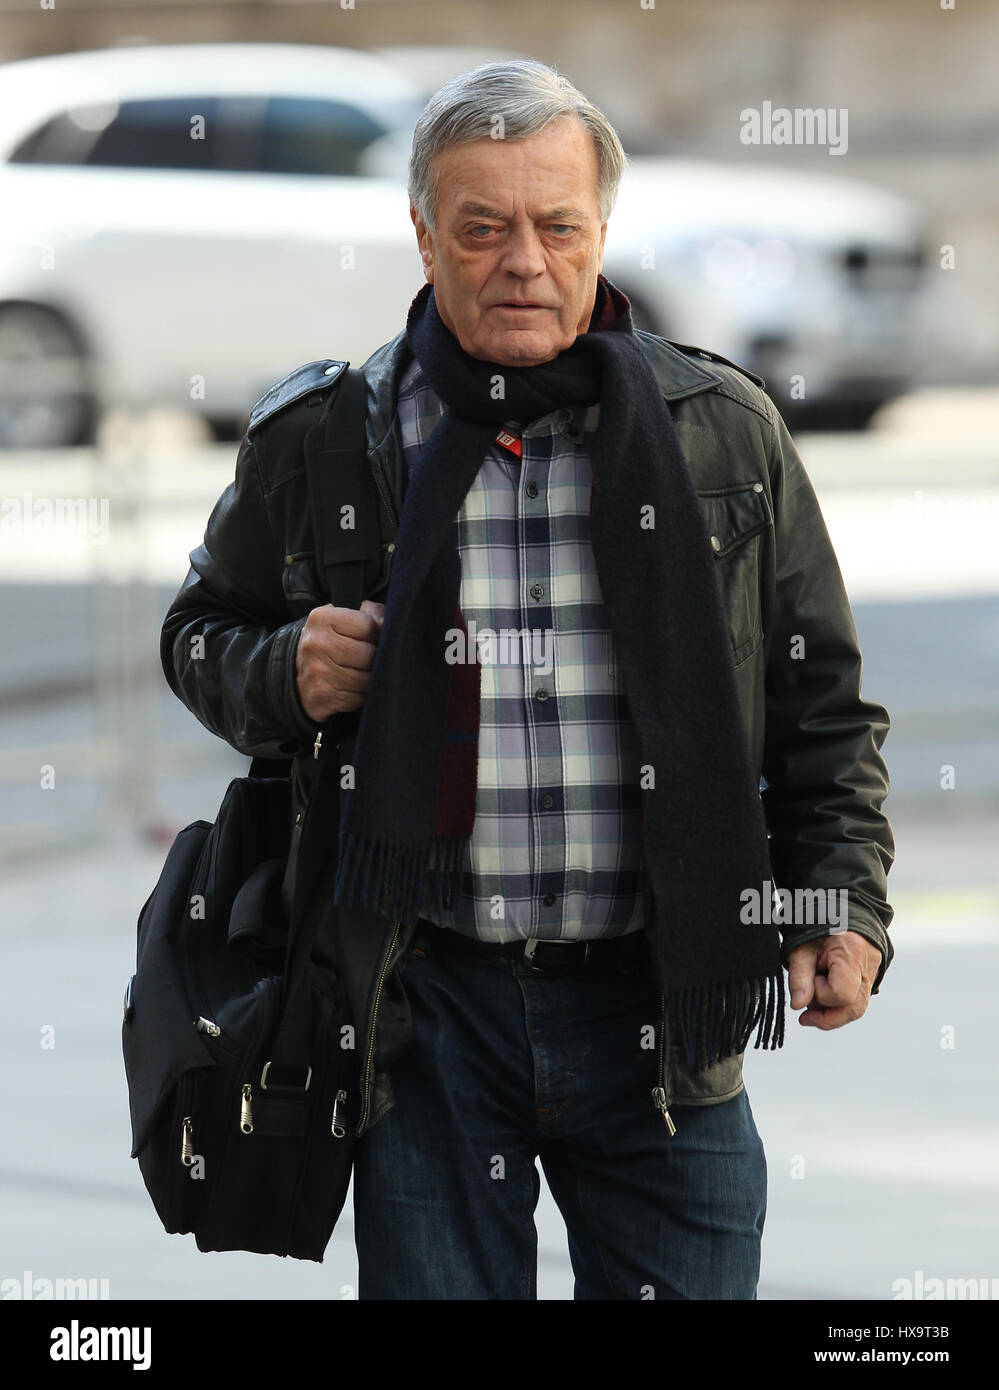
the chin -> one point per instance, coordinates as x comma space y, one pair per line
522, 354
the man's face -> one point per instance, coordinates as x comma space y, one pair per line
519, 243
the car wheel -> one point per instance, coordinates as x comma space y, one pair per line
46, 393
225, 429
832, 416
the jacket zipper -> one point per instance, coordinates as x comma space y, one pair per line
388, 547
376, 473
371, 1034
660, 1094
337, 1128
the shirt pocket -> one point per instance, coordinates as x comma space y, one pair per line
736, 519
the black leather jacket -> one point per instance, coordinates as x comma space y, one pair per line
254, 580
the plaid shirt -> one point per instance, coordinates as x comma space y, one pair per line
555, 851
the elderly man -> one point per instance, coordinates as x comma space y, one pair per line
555, 870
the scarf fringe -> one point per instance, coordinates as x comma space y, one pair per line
389, 880
715, 1020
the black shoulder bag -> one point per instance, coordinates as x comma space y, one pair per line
242, 1075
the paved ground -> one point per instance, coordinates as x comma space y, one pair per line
881, 1139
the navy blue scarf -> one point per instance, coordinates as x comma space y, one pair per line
408, 819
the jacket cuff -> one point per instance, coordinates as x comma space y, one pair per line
282, 685
286, 702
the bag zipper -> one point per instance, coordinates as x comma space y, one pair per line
241, 1089
181, 1196
246, 1109
187, 1141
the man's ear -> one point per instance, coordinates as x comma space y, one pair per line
603, 238
425, 242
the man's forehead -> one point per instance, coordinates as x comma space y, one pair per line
471, 207
553, 167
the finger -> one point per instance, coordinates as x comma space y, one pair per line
348, 654
825, 1016
826, 1019
801, 976
840, 985
373, 615
361, 624
332, 649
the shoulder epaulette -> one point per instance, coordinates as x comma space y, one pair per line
312, 378
717, 357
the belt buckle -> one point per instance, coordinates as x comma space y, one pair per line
532, 945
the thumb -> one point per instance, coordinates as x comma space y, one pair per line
377, 610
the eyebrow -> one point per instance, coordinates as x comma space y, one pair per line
471, 209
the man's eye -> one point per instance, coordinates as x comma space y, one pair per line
562, 228
481, 228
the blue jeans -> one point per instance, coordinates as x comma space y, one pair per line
506, 1067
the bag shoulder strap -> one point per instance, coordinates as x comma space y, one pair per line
351, 558
343, 500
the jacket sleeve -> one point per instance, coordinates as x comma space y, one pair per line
227, 648
826, 779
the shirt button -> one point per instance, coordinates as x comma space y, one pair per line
537, 591
541, 694
757, 487
532, 489
715, 543
548, 899
547, 802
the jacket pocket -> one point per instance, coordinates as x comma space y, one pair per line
300, 582
736, 518
708, 1087
305, 587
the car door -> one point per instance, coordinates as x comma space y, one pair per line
228, 239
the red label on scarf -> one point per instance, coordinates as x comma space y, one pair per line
511, 442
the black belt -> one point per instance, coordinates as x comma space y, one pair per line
543, 957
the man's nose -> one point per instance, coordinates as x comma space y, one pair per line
524, 254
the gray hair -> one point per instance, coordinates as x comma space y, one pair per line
519, 98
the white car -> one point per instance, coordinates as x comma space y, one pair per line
816, 282
184, 224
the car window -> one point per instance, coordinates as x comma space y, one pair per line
314, 136
157, 134
278, 135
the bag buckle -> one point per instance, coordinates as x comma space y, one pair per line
283, 1085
